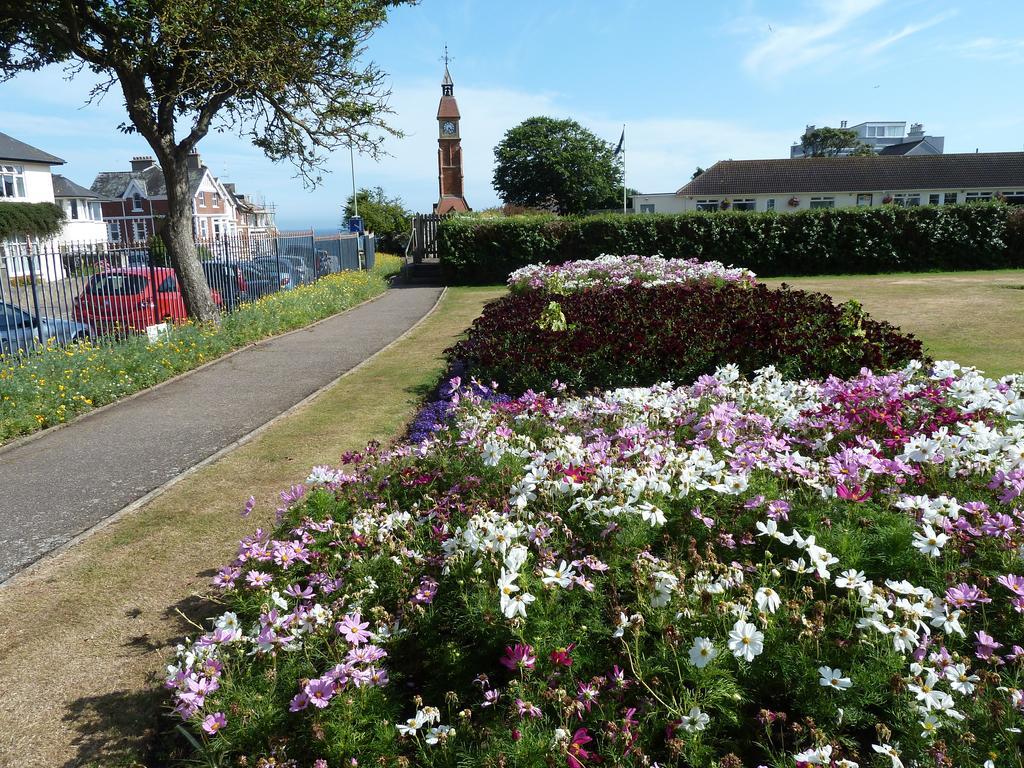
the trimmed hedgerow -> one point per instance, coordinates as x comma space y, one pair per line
30, 219
638, 335
828, 241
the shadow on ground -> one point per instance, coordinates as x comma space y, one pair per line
134, 728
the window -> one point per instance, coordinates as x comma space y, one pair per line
204, 229
12, 181
907, 199
202, 199
139, 229
1014, 198
216, 228
117, 284
769, 204
949, 198
744, 204
74, 209
823, 202
977, 197
933, 198
216, 198
113, 231
169, 285
96, 211
648, 208
707, 205
136, 201
865, 199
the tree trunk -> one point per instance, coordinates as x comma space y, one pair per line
181, 246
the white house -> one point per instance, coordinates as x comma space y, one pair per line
26, 177
795, 184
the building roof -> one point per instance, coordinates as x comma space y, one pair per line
12, 149
448, 108
996, 170
111, 185
65, 187
901, 149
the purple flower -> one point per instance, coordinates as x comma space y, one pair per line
519, 656
965, 596
299, 702
213, 723
320, 692
353, 629
1013, 583
258, 578
986, 645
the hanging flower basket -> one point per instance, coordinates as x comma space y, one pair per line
887, 199
794, 202
724, 205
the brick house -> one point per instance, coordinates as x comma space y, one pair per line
134, 202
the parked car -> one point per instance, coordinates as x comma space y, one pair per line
228, 279
19, 330
298, 264
263, 276
126, 299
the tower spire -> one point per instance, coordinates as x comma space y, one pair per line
447, 85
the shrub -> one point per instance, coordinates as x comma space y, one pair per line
20, 220
827, 241
637, 336
728, 574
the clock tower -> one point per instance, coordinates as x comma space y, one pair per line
449, 150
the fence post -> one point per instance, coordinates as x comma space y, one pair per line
33, 260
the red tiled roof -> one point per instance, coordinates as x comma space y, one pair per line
991, 170
448, 107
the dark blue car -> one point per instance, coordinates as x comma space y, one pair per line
19, 330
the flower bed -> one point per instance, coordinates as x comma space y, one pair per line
55, 384
764, 573
616, 271
638, 335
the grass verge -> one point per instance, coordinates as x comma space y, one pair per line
971, 317
83, 637
56, 384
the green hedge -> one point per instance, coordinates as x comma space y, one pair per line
818, 242
30, 219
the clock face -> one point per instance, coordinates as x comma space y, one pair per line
448, 127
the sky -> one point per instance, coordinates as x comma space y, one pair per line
693, 83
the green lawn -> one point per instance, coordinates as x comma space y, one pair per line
975, 318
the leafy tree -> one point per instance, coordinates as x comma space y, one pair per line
285, 74
558, 165
697, 172
385, 216
830, 142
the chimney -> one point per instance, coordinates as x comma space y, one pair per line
916, 131
142, 162
193, 161
842, 124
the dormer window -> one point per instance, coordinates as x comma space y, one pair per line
136, 202
12, 181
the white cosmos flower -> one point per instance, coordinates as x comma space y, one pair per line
767, 599
745, 641
928, 542
695, 720
439, 732
833, 678
960, 680
851, 579
890, 752
516, 605
703, 652
560, 576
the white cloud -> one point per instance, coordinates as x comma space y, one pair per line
786, 47
993, 49
907, 31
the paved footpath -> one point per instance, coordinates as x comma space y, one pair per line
66, 481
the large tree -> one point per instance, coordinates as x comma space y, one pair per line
387, 217
558, 165
286, 74
830, 142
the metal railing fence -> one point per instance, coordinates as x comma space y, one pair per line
61, 292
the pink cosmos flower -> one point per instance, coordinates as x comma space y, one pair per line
560, 656
526, 708
985, 645
1013, 583
353, 629
519, 656
576, 751
320, 692
299, 702
258, 578
214, 722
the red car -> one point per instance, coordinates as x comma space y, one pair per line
123, 299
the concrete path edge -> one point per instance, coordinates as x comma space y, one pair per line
30, 569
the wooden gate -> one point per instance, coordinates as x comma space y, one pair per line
423, 245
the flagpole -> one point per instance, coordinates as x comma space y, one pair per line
623, 167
